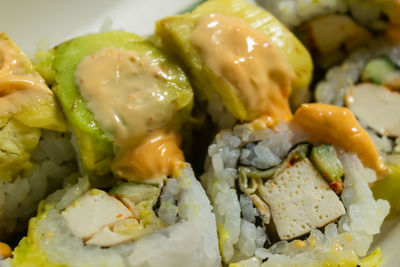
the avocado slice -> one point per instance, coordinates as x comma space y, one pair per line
175, 33
43, 111
326, 161
96, 145
377, 70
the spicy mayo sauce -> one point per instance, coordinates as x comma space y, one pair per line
257, 71
123, 90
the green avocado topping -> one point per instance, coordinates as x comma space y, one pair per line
96, 145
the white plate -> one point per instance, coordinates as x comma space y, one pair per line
389, 242
29, 22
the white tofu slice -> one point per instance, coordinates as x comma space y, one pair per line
107, 238
93, 211
376, 106
120, 232
301, 200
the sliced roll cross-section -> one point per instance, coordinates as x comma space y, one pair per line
297, 193
163, 223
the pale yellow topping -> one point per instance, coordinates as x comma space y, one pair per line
5, 251
157, 155
20, 85
261, 123
338, 126
312, 241
299, 243
244, 57
348, 237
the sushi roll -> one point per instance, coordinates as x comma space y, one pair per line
213, 35
367, 83
35, 150
126, 102
294, 13
163, 223
296, 193
333, 29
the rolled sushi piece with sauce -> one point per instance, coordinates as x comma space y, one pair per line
135, 100
368, 84
241, 60
35, 150
332, 29
296, 193
125, 102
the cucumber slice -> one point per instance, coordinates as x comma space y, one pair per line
378, 70
299, 153
326, 161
